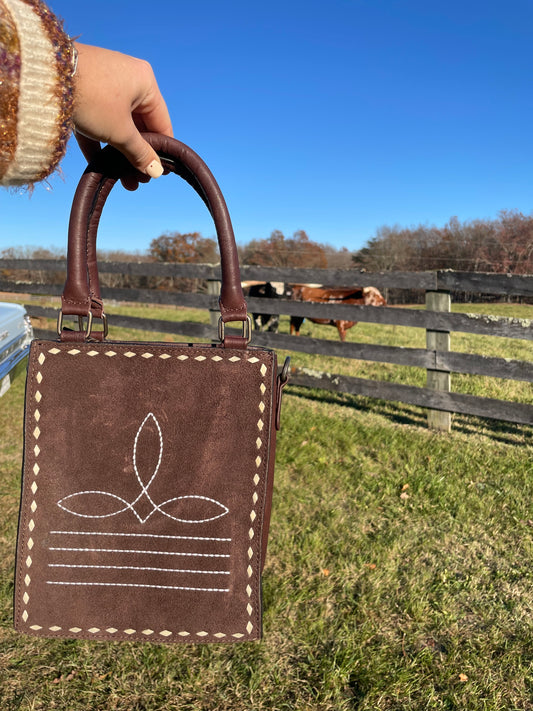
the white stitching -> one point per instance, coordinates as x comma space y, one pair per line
142, 535
144, 491
129, 550
145, 488
135, 567
132, 505
138, 585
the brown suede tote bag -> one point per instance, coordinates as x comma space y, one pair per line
148, 467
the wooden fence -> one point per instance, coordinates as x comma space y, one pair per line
437, 320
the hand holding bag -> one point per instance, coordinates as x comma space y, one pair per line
148, 467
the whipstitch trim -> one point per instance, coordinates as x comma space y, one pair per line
166, 634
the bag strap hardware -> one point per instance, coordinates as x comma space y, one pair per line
246, 329
283, 379
105, 326
284, 375
81, 328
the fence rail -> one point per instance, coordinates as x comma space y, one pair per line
445, 280
437, 358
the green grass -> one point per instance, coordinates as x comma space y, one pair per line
399, 574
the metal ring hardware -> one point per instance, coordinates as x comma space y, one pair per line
246, 328
89, 329
80, 323
90, 325
284, 375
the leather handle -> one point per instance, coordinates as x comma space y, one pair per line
81, 294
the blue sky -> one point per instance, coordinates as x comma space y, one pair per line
335, 116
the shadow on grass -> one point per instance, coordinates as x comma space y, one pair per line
401, 414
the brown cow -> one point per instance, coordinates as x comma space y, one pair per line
367, 296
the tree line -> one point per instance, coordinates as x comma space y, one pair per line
500, 245
503, 245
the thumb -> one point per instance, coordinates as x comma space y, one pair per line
140, 154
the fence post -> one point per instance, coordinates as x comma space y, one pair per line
213, 289
438, 341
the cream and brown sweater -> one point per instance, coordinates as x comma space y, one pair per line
36, 91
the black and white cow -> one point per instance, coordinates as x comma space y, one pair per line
268, 290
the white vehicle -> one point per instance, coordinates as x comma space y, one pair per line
16, 334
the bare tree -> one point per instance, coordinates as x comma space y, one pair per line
185, 248
281, 251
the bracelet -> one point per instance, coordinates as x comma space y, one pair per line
74, 59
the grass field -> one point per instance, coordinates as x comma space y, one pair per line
399, 573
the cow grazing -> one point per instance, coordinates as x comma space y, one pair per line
367, 296
268, 290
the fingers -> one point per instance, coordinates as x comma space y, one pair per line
90, 149
88, 146
151, 114
131, 181
139, 153
117, 96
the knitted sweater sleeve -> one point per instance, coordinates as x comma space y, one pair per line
36, 92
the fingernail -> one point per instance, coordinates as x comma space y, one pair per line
154, 169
